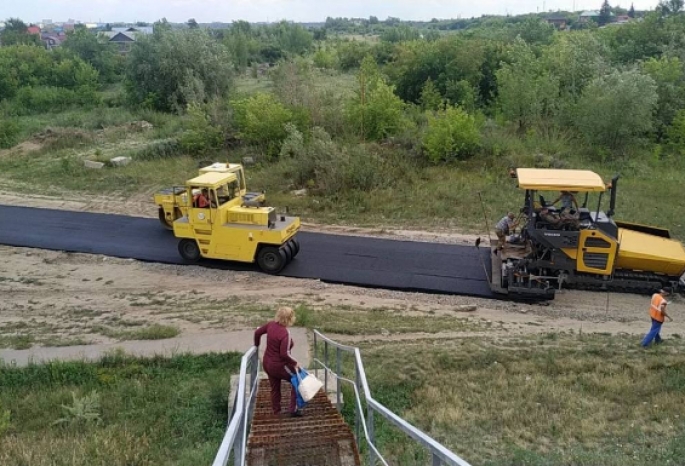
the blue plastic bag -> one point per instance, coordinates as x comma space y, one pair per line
295, 381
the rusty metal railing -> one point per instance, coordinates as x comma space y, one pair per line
440, 455
235, 438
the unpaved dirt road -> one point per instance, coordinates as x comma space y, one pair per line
52, 298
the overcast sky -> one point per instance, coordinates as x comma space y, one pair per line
274, 10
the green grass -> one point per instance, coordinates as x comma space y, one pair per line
355, 321
535, 401
152, 411
151, 332
18, 342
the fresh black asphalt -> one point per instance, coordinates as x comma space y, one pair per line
362, 261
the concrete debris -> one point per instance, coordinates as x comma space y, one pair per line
93, 164
120, 161
466, 308
247, 161
299, 192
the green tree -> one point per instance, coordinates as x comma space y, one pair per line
430, 96
170, 69
451, 134
24, 66
375, 112
16, 33
535, 31
670, 7
528, 94
453, 58
631, 12
192, 24
604, 13
616, 110
261, 120
293, 38
95, 50
576, 59
669, 76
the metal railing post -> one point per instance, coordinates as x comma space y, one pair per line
338, 370
238, 445
358, 414
316, 355
372, 435
436, 460
325, 372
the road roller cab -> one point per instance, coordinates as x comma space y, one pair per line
173, 202
219, 224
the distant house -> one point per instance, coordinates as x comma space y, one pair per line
591, 15
558, 22
124, 38
33, 30
622, 19
52, 40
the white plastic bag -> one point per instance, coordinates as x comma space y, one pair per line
309, 386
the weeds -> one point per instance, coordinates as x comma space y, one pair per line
152, 332
83, 410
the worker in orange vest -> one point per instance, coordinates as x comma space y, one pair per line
657, 311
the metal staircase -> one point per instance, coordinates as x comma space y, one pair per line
255, 437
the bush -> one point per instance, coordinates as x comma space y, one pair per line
375, 112
616, 110
676, 132
53, 99
324, 59
261, 120
9, 133
159, 150
202, 136
331, 170
451, 134
23, 65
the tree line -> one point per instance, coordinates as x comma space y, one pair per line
608, 90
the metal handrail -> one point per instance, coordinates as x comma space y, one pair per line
440, 454
242, 410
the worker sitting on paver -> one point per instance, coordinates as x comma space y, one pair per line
568, 201
503, 228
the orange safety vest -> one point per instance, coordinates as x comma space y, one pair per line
656, 306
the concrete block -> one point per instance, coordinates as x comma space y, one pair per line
93, 164
247, 161
120, 161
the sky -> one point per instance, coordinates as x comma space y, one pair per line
275, 10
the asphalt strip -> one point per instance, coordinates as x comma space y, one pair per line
351, 260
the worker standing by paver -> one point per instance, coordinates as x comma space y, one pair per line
657, 311
503, 227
